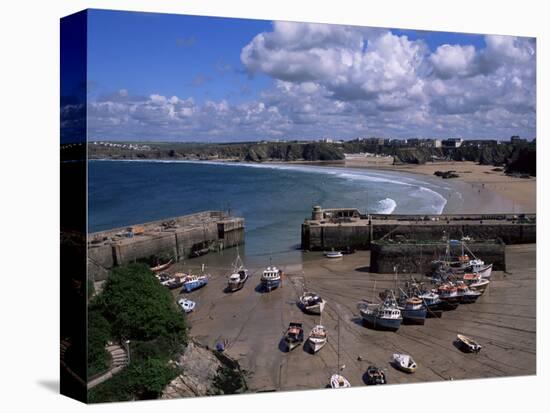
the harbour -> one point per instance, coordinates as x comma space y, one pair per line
253, 322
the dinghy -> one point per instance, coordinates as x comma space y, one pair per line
375, 376
333, 254
294, 336
404, 362
338, 381
468, 344
312, 303
317, 338
161, 267
186, 305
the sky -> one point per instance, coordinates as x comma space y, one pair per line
161, 77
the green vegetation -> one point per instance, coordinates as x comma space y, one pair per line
516, 157
134, 306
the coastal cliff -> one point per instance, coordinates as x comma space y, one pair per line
516, 158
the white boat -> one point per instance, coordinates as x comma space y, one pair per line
239, 276
333, 254
317, 338
338, 381
187, 305
480, 285
468, 344
271, 278
404, 362
312, 303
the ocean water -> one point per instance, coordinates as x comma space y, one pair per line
274, 199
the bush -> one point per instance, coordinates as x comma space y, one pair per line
98, 335
138, 307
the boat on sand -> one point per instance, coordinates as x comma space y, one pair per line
338, 381
404, 362
311, 302
468, 344
317, 338
294, 336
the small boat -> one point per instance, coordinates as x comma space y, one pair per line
312, 303
468, 344
404, 362
466, 295
338, 381
478, 266
413, 310
448, 293
161, 267
186, 305
271, 278
317, 338
239, 276
171, 281
381, 316
375, 376
480, 285
193, 282
333, 254
294, 336
433, 303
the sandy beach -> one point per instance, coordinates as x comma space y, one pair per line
518, 194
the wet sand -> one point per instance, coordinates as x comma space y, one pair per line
484, 189
503, 321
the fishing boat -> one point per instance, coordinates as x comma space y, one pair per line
448, 292
433, 303
465, 294
463, 263
239, 276
404, 362
338, 381
413, 309
375, 376
317, 338
468, 344
162, 267
480, 285
186, 305
381, 316
311, 302
193, 282
333, 254
271, 278
294, 336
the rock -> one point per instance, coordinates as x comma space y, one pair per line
202, 373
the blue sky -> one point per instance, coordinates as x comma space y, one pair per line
174, 77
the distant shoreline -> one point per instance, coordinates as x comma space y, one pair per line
478, 187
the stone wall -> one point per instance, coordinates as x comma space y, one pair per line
416, 257
217, 231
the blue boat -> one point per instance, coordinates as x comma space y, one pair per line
413, 310
271, 278
382, 316
193, 282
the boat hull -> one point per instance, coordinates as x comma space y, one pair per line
194, 285
388, 324
414, 316
270, 285
315, 309
315, 346
232, 287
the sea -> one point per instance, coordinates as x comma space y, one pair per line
274, 199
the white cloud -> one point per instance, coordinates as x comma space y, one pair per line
347, 81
